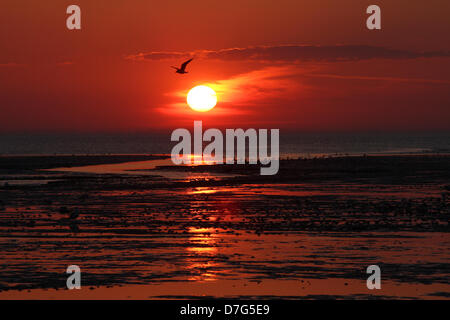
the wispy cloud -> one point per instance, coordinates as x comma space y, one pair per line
251, 89
293, 53
370, 78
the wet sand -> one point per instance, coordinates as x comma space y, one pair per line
225, 231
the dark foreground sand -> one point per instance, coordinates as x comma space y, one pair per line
309, 232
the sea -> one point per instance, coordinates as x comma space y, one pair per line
291, 144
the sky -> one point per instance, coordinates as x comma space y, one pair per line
295, 65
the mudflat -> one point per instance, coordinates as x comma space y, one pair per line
159, 231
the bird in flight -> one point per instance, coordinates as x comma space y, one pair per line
182, 69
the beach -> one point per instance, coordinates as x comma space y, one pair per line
141, 228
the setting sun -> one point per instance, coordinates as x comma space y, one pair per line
201, 98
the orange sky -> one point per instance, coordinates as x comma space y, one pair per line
299, 65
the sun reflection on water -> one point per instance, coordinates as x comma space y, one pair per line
203, 249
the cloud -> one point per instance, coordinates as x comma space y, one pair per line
369, 78
255, 87
236, 94
293, 53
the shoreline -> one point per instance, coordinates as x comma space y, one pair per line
39, 162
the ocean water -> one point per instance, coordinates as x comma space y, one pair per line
291, 144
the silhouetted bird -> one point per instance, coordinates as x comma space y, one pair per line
182, 69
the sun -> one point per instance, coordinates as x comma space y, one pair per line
201, 98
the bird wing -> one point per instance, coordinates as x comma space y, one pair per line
183, 66
174, 67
